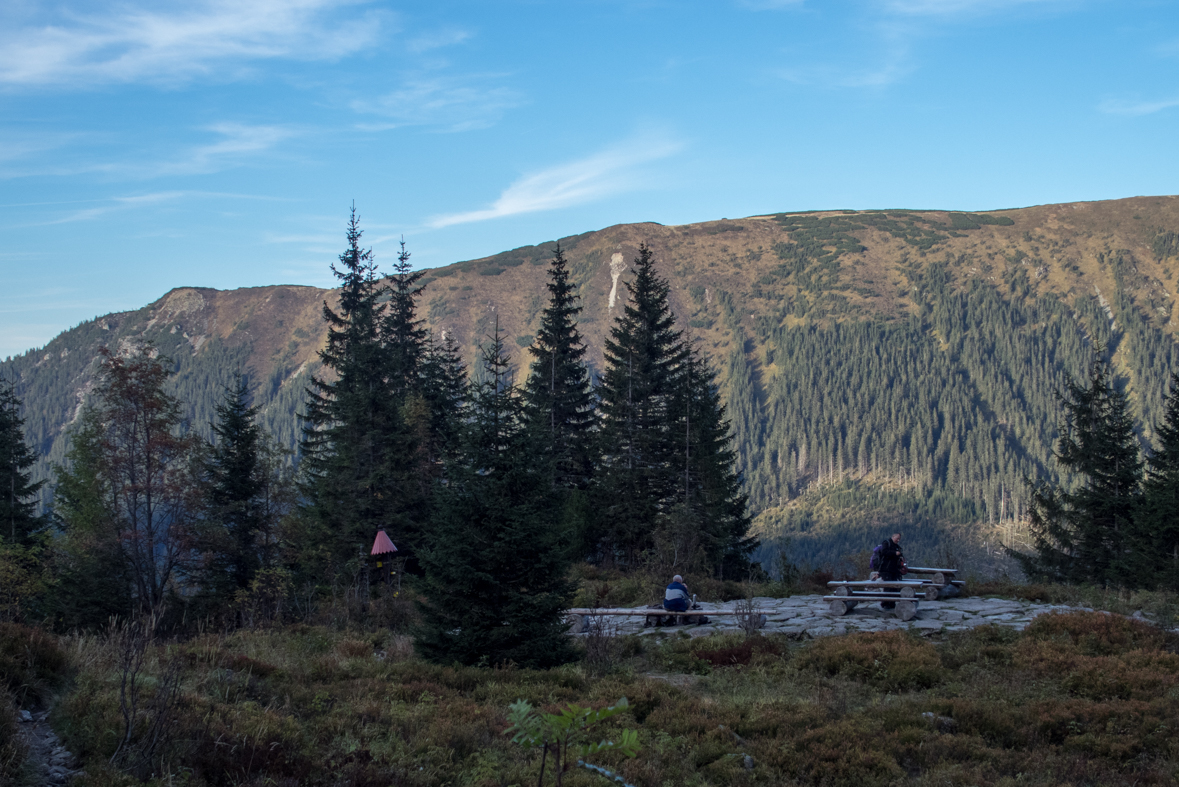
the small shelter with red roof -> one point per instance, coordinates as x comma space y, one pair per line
384, 551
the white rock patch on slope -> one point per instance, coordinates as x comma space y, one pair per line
617, 266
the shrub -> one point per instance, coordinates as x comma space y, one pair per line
891, 660
12, 751
31, 663
1098, 633
989, 644
741, 653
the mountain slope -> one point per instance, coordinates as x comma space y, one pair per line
899, 365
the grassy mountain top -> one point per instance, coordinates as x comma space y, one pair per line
901, 363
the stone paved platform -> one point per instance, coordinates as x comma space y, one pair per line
810, 616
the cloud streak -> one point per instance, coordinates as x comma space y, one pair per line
237, 141
1136, 108
450, 103
140, 44
610, 172
107, 205
949, 9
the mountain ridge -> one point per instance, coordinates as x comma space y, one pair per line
974, 316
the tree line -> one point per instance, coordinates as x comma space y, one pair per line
490, 488
955, 400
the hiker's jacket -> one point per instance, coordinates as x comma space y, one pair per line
676, 597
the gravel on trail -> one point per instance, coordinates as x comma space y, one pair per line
51, 762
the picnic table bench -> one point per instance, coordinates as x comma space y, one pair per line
943, 578
654, 615
904, 593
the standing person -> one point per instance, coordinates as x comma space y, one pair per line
676, 598
892, 561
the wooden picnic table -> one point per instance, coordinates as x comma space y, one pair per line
938, 576
903, 593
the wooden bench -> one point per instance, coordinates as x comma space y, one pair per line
904, 593
654, 615
928, 591
943, 578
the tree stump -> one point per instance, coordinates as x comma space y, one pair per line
906, 610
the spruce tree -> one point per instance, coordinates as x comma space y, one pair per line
1154, 543
234, 482
444, 386
94, 580
1080, 536
353, 438
711, 504
558, 399
638, 476
495, 581
403, 334
20, 523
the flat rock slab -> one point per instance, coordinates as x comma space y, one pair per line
810, 616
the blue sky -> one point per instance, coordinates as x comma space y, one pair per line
149, 145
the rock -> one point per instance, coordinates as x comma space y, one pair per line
943, 723
26, 717
748, 763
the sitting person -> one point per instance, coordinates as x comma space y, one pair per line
676, 598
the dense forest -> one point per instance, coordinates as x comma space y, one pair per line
878, 367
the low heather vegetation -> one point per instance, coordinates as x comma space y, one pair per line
1079, 698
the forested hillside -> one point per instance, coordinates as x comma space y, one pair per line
880, 367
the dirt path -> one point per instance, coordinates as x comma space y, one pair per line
49, 760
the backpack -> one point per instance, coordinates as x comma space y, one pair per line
874, 563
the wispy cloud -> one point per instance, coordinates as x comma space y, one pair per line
237, 141
892, 66
1134, 108
104, 206
893, 29
769, 5
947, 9
17, 146
115, 204
612, 171
138, 43
450, 103
437, 40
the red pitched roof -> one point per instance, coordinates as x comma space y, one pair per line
383, 545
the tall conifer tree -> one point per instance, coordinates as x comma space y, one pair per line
711, 505
1153, 546
444, 385
1080, 535
401, 331
352, 436
94, 579
558, 399
234, 479
638, 477
19, 521
496, 582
